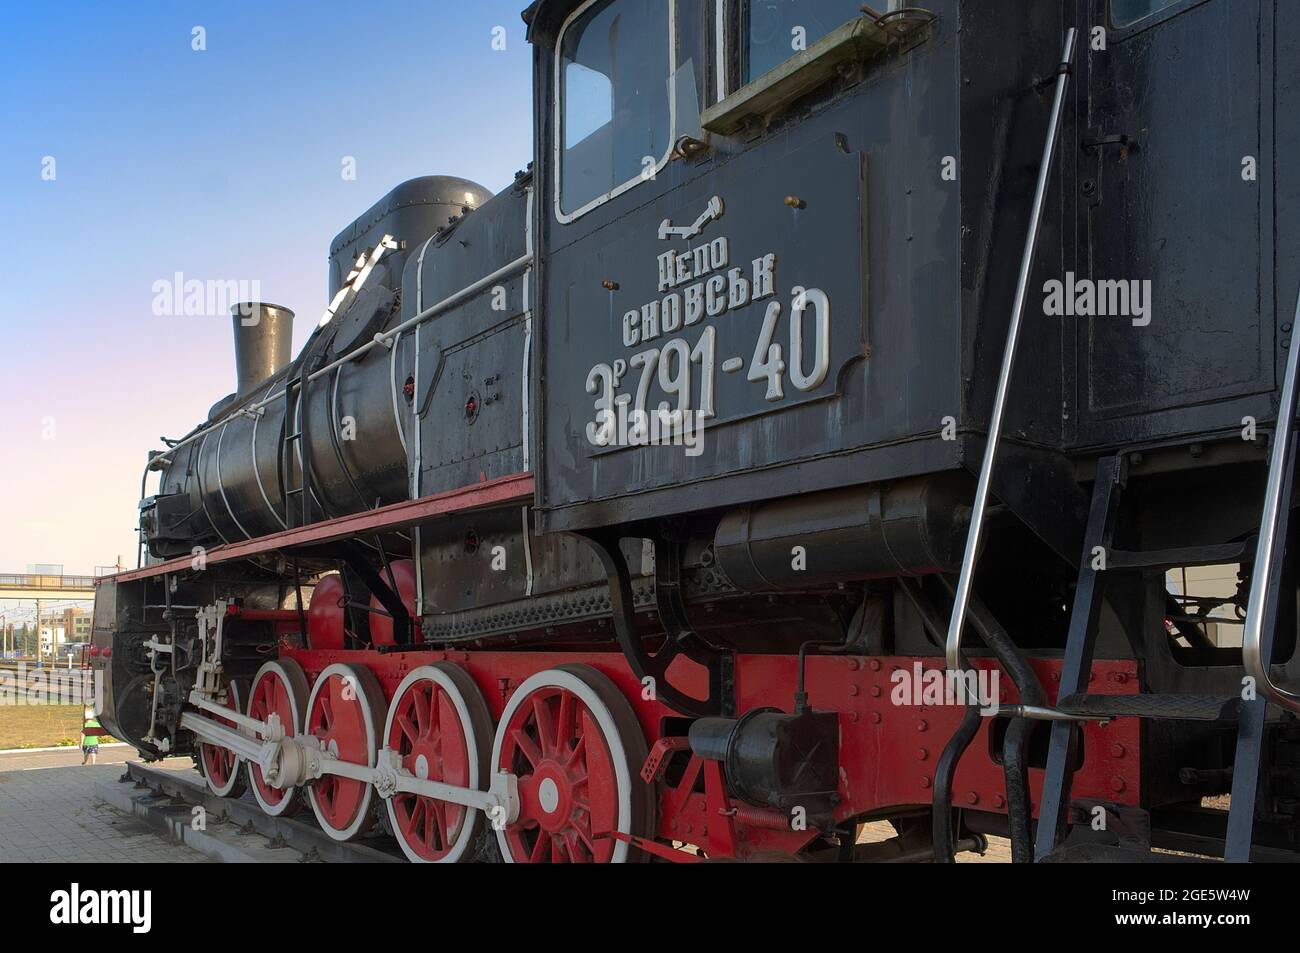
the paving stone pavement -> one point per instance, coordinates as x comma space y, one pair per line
49, 813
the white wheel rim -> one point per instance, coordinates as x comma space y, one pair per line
287, 676
557, 678
367, 703
465, 827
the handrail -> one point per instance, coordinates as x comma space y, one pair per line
974, 536
1269, 548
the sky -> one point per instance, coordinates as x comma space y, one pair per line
127, 155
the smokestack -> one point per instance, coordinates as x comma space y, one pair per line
263, 342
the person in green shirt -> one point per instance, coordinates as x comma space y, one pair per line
89, 740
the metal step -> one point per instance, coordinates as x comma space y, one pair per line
1156, 706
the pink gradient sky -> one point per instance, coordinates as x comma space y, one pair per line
222, 164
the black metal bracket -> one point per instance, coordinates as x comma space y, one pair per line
357, 561
679, 637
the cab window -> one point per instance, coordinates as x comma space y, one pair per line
775, 30
1128, 12
614, 118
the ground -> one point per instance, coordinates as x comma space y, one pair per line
40, 726
48, 812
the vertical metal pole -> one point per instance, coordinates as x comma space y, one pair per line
1076, 664
1256, 655
1261, 621
974, 537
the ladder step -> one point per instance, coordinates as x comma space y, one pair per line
1154, 705
1109, 854
1170, 558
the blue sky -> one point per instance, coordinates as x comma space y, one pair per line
220, 164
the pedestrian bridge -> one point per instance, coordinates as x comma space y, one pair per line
31, 586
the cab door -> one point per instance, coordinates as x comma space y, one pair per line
1173, 179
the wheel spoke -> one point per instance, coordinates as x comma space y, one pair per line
545, 724
527, 747
542, 849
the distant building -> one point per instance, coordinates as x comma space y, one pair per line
76, 625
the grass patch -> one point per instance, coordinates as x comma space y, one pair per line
42, 726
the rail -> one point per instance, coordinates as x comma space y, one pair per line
45, 581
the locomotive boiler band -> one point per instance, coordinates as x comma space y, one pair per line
438, 573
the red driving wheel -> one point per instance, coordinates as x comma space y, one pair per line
344, 713
220, 766
573, 742
279, 688
439, 724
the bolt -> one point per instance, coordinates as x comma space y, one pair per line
1119, 678
972, 798
925, 781
1117, 784
875, 664
875, 717
854, 691
999, 801
1117, 750
921, 726
875, 691
922, 754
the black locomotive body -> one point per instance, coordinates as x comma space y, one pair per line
687, 424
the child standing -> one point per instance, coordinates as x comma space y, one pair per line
89, 739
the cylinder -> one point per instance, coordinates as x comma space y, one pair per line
907, 528
263, 342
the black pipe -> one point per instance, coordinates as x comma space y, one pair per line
1015, 743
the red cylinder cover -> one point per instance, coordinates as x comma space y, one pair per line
381, 626
325, 614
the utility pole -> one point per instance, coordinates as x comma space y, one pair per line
38, 630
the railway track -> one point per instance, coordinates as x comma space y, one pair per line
232, 830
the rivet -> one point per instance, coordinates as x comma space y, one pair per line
875, 717
854, 691
921, 726
922, 754
875, 664
1117, 784
875, 691
972, 798
999, 801
925, 781
1117, 750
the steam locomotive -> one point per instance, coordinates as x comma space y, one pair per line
829, 426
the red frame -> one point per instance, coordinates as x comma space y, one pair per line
887, 751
